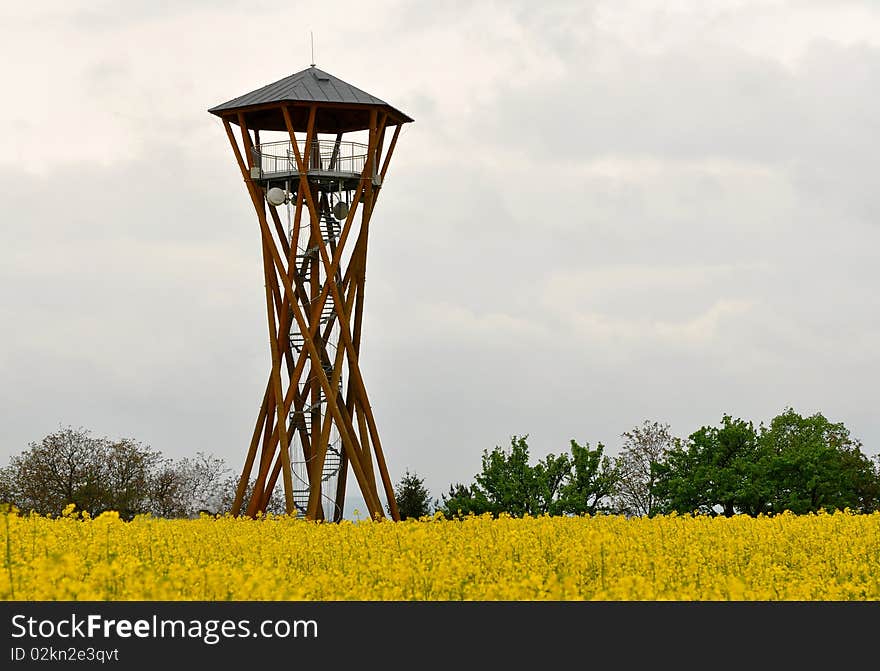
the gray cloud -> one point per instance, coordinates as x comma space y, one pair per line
578, 233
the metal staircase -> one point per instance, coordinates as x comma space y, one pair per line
330, 229
297, 338
302, 420
332, 464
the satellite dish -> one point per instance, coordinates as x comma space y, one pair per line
276, 196
340, 210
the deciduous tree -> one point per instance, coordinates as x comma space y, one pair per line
814, 464
644, 447
590, 482
96, 474
575, 483
462, 500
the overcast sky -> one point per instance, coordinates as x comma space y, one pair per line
604, 213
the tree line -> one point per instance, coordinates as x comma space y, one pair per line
797, 463
801, 464
98, 474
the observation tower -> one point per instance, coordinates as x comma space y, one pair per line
313, 151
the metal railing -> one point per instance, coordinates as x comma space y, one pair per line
326, 156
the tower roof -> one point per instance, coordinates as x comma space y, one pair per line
342, 107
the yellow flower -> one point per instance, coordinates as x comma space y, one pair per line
676, 557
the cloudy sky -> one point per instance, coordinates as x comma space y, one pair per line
605, 212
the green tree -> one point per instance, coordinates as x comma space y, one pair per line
575, 483
462, 500
413, 498
814, 464
507, 480
552, 476
716, 471
800, 464
590, 482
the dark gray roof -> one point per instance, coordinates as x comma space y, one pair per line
309, 85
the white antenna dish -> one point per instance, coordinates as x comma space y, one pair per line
276, 196
340, 210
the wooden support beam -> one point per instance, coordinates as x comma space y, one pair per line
317, 464
345, 332
390, 151
289, 303
271, 277
344, 423
299, 400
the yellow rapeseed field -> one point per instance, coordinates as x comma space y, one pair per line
785, 557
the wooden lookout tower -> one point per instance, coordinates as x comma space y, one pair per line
313, 152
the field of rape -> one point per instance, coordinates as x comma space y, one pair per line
786, 557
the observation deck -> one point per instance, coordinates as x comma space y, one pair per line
335, 164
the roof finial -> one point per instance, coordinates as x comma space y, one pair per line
313, 47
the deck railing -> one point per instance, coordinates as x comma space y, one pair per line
325, 156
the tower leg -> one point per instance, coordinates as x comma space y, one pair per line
292, 303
